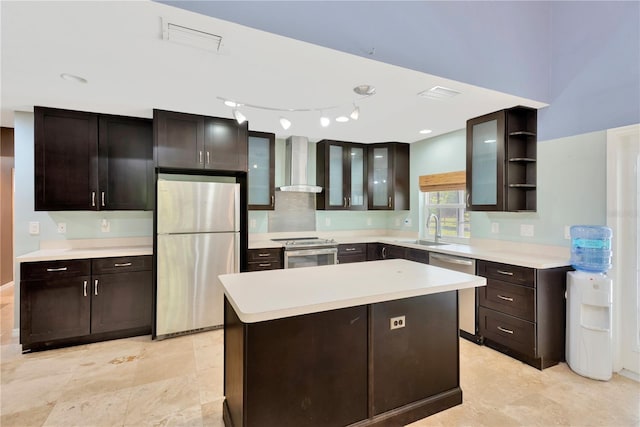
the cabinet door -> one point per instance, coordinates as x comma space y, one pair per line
261, 174
121, 301
336, 184
380, 177
66, 160
357, 173
179, 140
485, 162
125, 166
53, 309
225, 144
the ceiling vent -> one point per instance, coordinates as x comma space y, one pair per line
438, 92
190, 37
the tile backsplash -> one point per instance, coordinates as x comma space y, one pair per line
293, 212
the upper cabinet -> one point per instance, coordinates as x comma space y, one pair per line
261, 176
87, 161
388, 176
189, 141
501, 161
341, 169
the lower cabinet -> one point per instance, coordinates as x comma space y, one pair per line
377, 251
78, 301
355, 252
264, 259
521, 312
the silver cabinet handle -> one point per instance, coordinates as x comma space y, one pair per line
93, 198
389, 201
505, 298
265, 265
349, 201
508, 331
124, 264
208, 158
85, 288
263, 255
102, 198
344, 204
95, 287
51, 270
273, 201
199, 156
350, 249
468, 194
384, 252
505, 273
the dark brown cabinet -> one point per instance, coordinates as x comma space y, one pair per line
521, 312
87, 161
78, 301
501, 160
378, 251
341, 169
354, 252
190, 141
261, 175
388, 176
265, 259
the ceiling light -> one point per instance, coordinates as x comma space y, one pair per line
324, 121
230, 103
286, 124
342, 119
355, 113
240, 118
438, 92
366, 90
426, 131
72, 78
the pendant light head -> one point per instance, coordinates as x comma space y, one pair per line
355, 113
286, 124
240, 118
324, 121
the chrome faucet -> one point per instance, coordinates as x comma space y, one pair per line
438, 231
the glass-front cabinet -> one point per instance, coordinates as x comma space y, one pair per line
261, 180
388, 181
341, 169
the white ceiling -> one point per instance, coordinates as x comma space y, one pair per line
118, 48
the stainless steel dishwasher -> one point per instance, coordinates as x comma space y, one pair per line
467, 316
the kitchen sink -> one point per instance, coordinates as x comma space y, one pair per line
424, 242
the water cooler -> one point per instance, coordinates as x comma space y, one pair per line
589, 290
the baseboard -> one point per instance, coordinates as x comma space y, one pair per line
630, 374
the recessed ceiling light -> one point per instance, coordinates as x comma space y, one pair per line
72, 78
365, 90
342, 119
425, 131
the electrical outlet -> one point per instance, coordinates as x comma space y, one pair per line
407, 222
105, 226
495, 227
62, 227
34, 228
526, 230
567, 232
327, 222
369, 221
397, 322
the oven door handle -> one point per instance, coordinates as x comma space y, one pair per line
305, 252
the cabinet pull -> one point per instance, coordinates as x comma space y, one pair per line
384, 252
85, 288
263, 255
51, 270
350, 249
208, 158
508, 331
389, 204
93, 198
349, 200
505, 273
102, 196
95, 287
273, 201
505, 298
124, 264
344, 204
265, 265
199, 156
468, 194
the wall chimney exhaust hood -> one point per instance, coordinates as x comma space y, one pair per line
295, 167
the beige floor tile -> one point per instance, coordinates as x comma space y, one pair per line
210, 383
107, 409
18, 396
212, 414
34, 417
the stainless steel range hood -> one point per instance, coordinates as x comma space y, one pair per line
295, 167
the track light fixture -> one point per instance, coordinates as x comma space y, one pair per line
355, 113
240, 118
285, 123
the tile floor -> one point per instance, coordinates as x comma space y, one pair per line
178, 382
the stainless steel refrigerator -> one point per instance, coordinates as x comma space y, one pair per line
197, 239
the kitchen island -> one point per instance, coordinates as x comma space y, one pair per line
372, 343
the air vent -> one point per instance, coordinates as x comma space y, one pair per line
439, 92
190, 36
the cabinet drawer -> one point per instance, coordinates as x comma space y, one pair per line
266, 254
55, 269
517, 334
265, 265
507, 298
121, 264
352, 249
506, 272
348, 259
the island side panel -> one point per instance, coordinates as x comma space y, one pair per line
234, 356
418, 361
308, 370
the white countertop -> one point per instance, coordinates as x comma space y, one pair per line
83, 253
274, 294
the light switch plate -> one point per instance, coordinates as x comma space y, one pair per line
327, 222
526, 230
495, 227
105, 226
369, 221
34, 228
567, 232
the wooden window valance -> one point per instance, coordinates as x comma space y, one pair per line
443, 181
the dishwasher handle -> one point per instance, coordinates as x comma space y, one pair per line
451, 260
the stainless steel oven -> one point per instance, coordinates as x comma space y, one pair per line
309, 252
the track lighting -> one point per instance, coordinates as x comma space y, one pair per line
240, 118
286, 124
355, 113
324, 121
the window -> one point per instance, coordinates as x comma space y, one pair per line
449, 206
